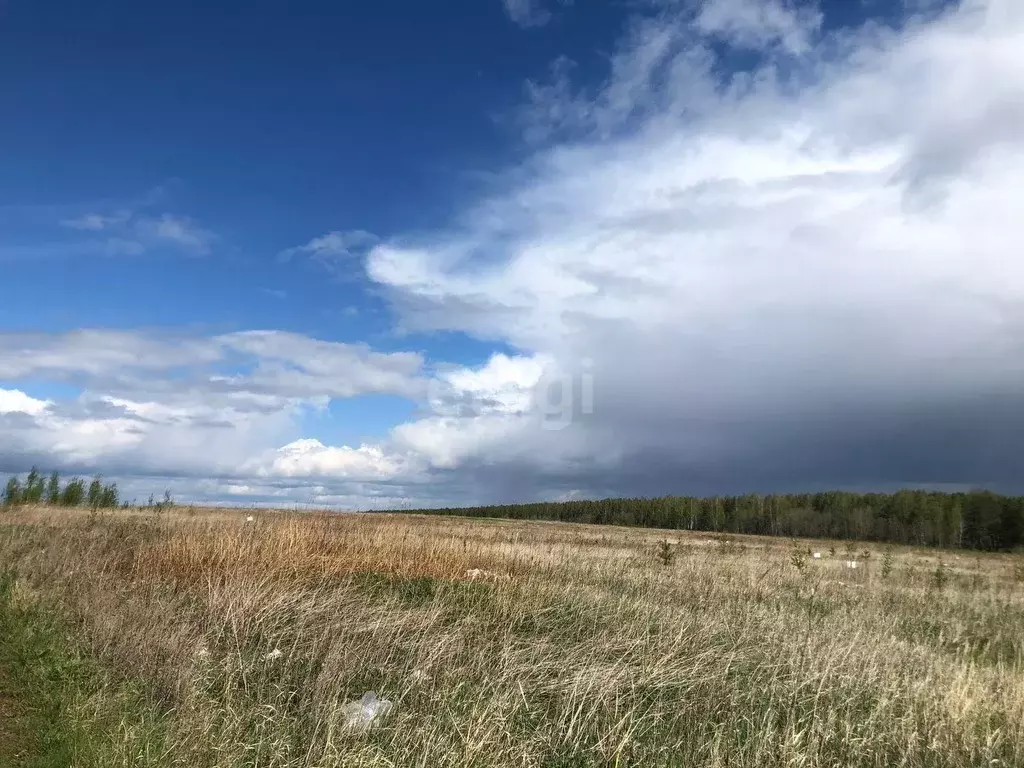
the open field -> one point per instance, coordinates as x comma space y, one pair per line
203, 639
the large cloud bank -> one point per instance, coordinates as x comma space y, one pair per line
801, 273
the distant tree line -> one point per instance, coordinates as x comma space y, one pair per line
972, 520
39, 489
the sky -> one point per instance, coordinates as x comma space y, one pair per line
406, 254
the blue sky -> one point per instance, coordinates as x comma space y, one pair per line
343, 252
260, 127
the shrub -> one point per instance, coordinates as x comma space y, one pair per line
888, 560
666, 554
940, 576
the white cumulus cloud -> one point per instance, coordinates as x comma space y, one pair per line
16, 401
311, 458
770, 270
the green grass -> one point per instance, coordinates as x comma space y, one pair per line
36, 670
60, 710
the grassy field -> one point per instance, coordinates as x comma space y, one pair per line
205, 639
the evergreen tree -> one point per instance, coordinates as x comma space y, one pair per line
982, 514
1011, 523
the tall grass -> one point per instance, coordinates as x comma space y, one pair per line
572, 646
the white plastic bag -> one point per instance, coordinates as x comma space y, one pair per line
360, 715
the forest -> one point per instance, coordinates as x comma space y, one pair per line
971, 520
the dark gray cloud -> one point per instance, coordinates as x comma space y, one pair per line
802, 276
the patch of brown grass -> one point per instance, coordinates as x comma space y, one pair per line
294, 549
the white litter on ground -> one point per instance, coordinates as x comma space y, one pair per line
361, 715
478, 573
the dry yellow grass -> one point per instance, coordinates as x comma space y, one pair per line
575, 646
